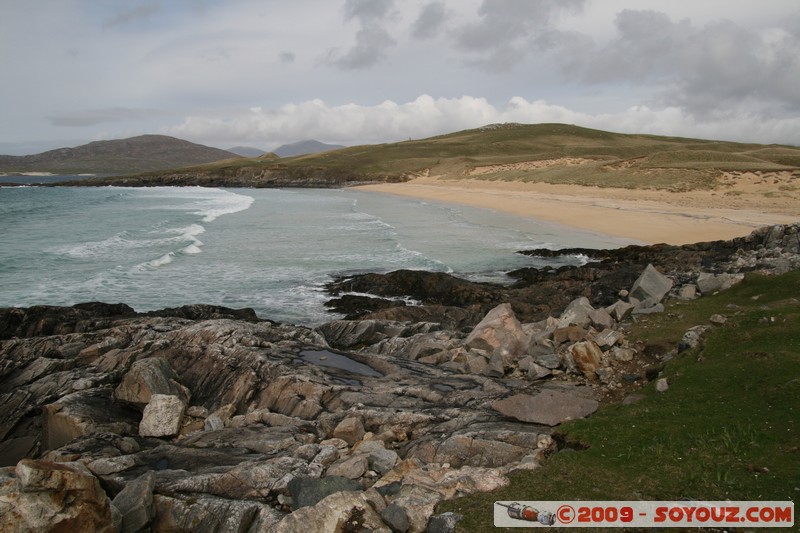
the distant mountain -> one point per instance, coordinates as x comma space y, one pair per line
247, 151
123, 156
304, 147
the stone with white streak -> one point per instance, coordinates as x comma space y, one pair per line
499, 333
162, 417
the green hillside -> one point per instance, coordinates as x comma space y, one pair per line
121, 156
611, 159
550, 153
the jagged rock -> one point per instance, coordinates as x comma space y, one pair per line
624, 354
111, 465
608, 338
444, 523
693, 337
52, 497
550, 360
620, 310
647, 309
380, 459
282, 406
147, 377
651, 285
600, 319
473, 450
208, 514
423, 488
162, 417
717, 320
577, 313
568, 334
331, 514
605, 374
662, 385
350, 430
539, 372
84, 413
396, 518
587, 356
248, 480
548, 407
219, 418
306, 491
327, 455
350, 467
135, 503
495, 367
710, 283
688, 292
352, 334
475, 363
499, 333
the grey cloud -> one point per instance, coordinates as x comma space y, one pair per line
370, 48
129, 16
430, 20
372, 39
93, 117
287, 57
367, 10
509, 29
705, 69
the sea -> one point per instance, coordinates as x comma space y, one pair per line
269, 249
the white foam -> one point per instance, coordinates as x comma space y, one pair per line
229, 203
123, 241
98, 248
189, 234
155, 263
207, 203
191, 250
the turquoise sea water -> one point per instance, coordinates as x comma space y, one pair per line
268, 249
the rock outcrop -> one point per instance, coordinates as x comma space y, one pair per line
175, 424
208, 419
539, 293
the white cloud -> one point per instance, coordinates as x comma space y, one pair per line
645, 63
427, 116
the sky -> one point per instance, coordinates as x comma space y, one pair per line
263, 73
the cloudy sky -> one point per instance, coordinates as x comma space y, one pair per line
267, 72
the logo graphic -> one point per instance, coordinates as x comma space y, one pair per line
527, 513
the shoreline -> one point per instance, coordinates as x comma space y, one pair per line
648, 216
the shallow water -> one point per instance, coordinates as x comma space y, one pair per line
269, 249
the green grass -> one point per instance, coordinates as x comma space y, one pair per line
727, 428
648, 161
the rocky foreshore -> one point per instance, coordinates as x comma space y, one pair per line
268, 176
208, 419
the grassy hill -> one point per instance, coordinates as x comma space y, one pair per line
552, 153
304, 147
124, 156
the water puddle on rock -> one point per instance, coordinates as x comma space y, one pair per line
330, 359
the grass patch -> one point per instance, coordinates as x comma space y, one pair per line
727, 428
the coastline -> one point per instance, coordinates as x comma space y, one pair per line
649, 216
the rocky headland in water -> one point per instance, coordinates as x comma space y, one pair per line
209, 419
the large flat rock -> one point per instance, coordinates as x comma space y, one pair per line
548, 407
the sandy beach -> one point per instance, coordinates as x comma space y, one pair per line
744, 202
